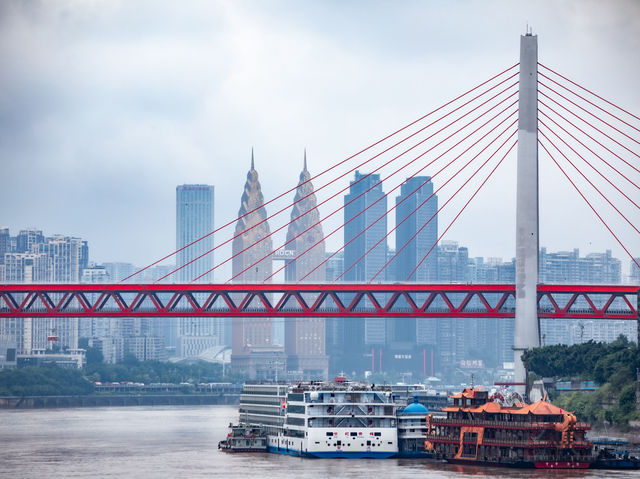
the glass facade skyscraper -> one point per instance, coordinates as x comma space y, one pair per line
195, 219
362, 337
411, 244
416, 234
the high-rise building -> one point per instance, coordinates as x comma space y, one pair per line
365, 208
305, 337
569, 267
334, 327
410, 341
491, 270
194, 220
417, 231
453, 262
253, 350
5, 242
634, 271
365, 254
27, 238
65, 253
119, 271
36, 259
28, 268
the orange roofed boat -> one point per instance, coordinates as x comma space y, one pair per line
492, 431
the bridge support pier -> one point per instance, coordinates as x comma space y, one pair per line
527, 328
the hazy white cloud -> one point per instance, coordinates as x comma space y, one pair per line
106, 106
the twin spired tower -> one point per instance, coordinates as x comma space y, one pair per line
253, 347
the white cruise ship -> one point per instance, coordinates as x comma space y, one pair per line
323, 418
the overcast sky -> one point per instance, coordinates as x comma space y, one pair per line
106, 106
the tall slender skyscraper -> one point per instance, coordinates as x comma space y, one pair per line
253, 351
411, 245
365, 207
410, 341
194, 219
305, 337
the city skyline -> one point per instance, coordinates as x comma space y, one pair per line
198, 127
296, 347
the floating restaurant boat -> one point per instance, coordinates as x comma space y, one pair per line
480, 430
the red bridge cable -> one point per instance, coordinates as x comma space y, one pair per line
384, 196
590, 150
592, 126
589, 102
370, 188
441, 207
604, 177
588, 180
353, 169
379, 199
357, 181
458, 215
330, 168
589, 91
588, 112
421, 204
590, 205
347, 187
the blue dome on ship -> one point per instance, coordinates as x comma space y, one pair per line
415, 408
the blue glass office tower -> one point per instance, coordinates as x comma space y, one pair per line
411, 245
411, 341
362, 338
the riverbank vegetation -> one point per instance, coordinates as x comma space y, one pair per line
50, 380
43, 381
612, 366
147, 372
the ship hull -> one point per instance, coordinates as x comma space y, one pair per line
332, 454
524, 464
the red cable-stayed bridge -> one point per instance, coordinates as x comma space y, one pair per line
592, 141
312, 300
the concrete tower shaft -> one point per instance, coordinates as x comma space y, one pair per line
527, 334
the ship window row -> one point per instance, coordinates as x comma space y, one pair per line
264, 421
261, 411
267, 401
357, 422
264, 392
295, 409
295, 421
330, 398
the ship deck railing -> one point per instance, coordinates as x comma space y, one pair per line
347, 414
506, 442
509, 424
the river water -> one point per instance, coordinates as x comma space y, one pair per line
176, 442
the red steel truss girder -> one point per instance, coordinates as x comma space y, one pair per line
327, 300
